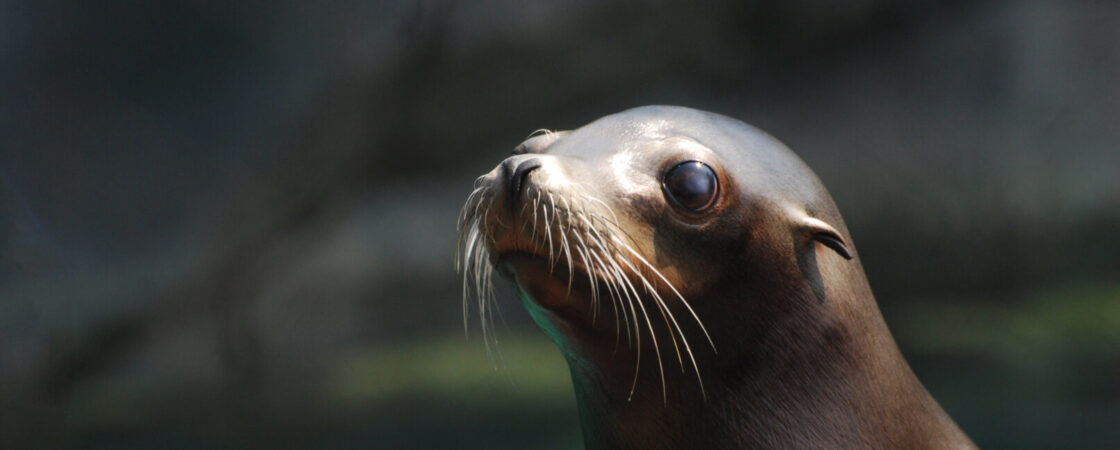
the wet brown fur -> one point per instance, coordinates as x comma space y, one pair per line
801, 356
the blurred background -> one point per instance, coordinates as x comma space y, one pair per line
231, 225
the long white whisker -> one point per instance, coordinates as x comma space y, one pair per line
472, 241
636, 341
606, 206
547, 233
589, 234
536, 203
461, 219
687, 347
671, 287
617, 292
666, 314
606, 251
590, 280
564, 245
652, 335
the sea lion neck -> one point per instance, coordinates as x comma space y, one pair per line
821, 385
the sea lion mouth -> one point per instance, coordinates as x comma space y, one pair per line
600, 267
547, 238
562, 290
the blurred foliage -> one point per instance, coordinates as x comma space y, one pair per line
1072, 319
525, 368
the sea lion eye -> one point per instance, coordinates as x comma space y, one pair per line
692, 185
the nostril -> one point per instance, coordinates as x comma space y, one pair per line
517, 177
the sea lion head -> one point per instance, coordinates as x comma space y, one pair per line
685, 240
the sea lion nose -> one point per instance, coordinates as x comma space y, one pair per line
514, 170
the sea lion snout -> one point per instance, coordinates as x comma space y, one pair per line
520, 179
513, 172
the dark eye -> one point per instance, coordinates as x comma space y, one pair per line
692, 185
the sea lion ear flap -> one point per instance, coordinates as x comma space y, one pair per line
822, 232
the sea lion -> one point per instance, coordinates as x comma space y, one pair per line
702, 286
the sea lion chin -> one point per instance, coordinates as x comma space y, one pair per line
701, 284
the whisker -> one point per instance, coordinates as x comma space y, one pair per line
688, 348
652, 335
589, 234
472, 240
591, 282
536, 202
608, 207
542, 131
613, 287
547, 233
673, 288
666, 314
461, 219
564, 244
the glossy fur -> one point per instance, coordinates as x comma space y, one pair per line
798, 356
